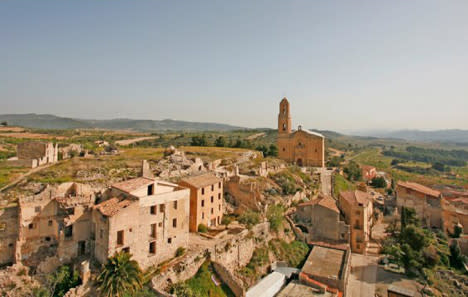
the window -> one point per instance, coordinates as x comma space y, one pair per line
212, 211
202, 215
2, 226
203, 191
212, 188
203, 203
175, 204
219, 196
219, 221
219, 207
126, 250
284, 149
169, 240
160, 224
47, 238
37, 209
120, 237
152, 247
219, 185
162, 207
49, 223
153, 230
101, 233
284, 127
153, 209
150, 189
174, 223
212, 199
31, 226
68, 231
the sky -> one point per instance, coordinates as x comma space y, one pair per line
343, 65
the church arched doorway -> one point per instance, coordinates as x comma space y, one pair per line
299, 162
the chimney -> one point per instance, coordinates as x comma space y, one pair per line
146, 170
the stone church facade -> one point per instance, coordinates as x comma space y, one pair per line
302, 147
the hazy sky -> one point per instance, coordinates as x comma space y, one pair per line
344, 65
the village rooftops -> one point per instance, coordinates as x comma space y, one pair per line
356, 197
325, 201
112, 206
325, 262
201, 181
131, 185
419, 188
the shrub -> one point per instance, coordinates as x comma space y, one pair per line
275, 215
202, 228
249, 218
180, 251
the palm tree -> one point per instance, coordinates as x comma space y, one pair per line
120, 275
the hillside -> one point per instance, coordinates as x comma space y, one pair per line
446, 136
47, 121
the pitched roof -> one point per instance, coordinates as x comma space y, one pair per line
419, 188
325, 201
309, 132
133, 184
112, 206
356, 197
201, 181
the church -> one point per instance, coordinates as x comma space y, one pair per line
302, 147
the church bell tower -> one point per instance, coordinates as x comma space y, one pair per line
284, 117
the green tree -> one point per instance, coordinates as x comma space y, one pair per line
220, 142
378, 182
408, 217
353, 171
273, 150
263, 149
119, 276
199, 141
249, 218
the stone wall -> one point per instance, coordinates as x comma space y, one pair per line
230, 280
8, 234
232, 252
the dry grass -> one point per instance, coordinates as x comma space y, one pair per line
27, 135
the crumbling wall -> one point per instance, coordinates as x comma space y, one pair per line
244, 194
8, 234
230, 280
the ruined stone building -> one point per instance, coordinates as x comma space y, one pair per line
8, 234
321, 219
55, 222
148, 218
206, 200
358, 213
425, 201
34, 153
303, 147
145, 217
455, 214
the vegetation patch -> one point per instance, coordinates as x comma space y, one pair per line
202, 285
295, 253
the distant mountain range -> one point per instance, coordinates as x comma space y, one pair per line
445, 136
47, 121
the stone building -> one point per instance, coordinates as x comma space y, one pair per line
357, 209
425, 201
303, 147
206, 200
145, 217
322, 220
55, 222
368, 172
327, 268
455, 213
8, 234
33, 154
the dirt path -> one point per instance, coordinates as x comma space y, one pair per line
24, 175
134, 140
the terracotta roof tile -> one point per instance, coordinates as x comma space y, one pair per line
201, 181
133, 184
112, 206
325, 201
419, 188
356, 197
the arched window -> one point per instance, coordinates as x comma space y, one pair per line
284, 127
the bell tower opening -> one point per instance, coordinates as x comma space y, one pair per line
284, 117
